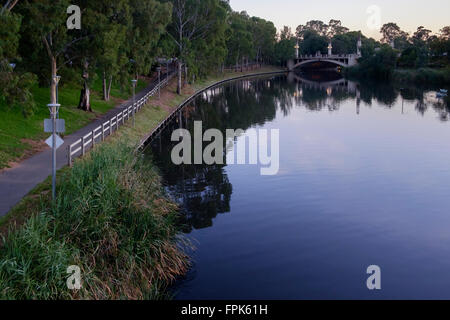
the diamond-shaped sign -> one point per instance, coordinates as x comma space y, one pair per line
59, 141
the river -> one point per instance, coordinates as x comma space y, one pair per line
364, 179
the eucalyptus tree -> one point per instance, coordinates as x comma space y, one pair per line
239, 38
114, 21
45, 39
392, 34
149, 21
285, 46
264, 38
196, 25
336, 28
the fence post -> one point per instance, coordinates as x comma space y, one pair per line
110, 126
69, 155
83, 151
117, 123
103, 131
93, 139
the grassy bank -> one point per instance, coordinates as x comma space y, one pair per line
422, 76
111, 218
21, 137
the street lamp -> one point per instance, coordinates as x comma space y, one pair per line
133, 110
297, 47
54, 112
159, 82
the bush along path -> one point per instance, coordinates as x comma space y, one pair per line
16, 182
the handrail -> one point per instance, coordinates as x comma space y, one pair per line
82, 145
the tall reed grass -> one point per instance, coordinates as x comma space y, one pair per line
112, 219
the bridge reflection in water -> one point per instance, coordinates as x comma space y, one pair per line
329, 82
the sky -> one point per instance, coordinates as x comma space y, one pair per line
433, 14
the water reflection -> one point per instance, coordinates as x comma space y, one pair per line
363, 180
204, 191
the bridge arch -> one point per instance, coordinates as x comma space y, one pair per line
305, 62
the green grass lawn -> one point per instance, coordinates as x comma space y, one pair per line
15, 130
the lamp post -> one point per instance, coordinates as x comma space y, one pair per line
159, 82
133, 110
54, 111
297, 47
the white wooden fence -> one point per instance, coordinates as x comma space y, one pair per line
99, 134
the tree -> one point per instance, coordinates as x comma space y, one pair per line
15, 87
149, 21
421, 35
264, 36
284, 48
239, 38
318, 26
421, 41
45, 34
377, 66
335, 28
313, 43
393, 34
444, 33
286, 33
8, 6
196, 24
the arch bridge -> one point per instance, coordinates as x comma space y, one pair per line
342, 60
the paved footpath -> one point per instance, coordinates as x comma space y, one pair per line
17, 182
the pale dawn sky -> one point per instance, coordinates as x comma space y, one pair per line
433, 14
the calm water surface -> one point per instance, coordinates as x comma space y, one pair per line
364, 179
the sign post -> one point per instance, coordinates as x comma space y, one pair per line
55, 125
54, 109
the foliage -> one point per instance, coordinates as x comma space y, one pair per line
284, 48
378, 66
15, 87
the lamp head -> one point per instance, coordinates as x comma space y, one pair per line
53, 107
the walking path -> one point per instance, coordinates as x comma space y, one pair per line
17, 182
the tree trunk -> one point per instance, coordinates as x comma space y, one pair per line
53, 82
85, 96
179, 78
85, 100
185, 75
105, 96
109, 87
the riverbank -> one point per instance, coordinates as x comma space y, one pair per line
421, 77
111, 219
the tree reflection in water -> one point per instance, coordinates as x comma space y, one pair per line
204, 191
